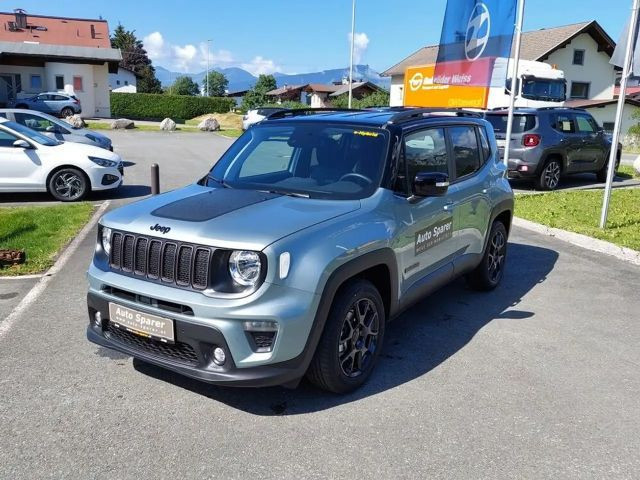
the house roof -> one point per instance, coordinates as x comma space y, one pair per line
284, 89
536, 45
599, 103
55, 30
322, 88
356, 85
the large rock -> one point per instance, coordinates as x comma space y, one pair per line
167, 125
122, 123
209, 124
636, 165
75, 121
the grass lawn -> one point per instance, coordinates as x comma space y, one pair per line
627, 171
580, 212
41, 232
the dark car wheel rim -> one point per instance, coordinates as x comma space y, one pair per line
552, 175
359, 337
497, 253
68, 185
67, 112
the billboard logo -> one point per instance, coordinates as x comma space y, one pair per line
478, 32
415, 83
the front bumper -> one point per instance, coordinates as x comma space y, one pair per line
210, 323
98, 176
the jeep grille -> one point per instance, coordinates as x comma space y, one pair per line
174, 263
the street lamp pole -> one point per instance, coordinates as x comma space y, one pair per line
206, 81
353, 42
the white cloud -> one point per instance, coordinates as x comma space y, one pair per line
360, 44
192, 58
260, 65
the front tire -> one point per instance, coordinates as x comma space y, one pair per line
351, 340
68, 185
549, 178
601, 174
489, 273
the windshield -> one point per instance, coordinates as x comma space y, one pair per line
544, 89
31, 134
316, 160
521, 123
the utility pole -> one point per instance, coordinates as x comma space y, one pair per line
353, 42
626, 72
514, 82
206, 82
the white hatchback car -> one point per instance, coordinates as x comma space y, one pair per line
33, 162
257, 115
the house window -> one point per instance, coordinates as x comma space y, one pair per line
578, 57
580, 89
77, 84
608, 126
126, 82
59, 82
36, 82
117, 82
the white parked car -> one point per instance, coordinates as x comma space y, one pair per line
33, 162
257, 115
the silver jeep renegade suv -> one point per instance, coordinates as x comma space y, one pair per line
291, 255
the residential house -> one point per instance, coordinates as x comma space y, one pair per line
42, 53
318, 94
124, 81
358, 91
288, 93
581, 50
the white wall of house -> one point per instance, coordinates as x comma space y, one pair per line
607, 114
396, 91
319, 100
102, 106
71, 72
123, 82
597, 70
25, 73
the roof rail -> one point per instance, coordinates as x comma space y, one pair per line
415, 113
297, 112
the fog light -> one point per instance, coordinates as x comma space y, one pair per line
260, 326
523, 168
97, 319
219, 356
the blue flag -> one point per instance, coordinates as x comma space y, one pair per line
474, 34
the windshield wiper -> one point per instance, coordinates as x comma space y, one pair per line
288, 194
219, 181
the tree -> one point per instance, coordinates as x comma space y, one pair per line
379, 98
135, 58
217, 84
184, 86
257, 97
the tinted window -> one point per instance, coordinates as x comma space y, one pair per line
268, 157
36, 122
6, 139
31, 134
465, 150
3, 115
60, 98
585, 124
484, 143
521, 123
540, 89
426, 151
563, 123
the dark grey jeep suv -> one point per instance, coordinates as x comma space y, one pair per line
548, 143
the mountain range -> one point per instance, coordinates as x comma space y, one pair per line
240, 79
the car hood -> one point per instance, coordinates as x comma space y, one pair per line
83, 149
225, 218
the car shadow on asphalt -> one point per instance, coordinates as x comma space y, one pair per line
579, 181
416, 342
124, 192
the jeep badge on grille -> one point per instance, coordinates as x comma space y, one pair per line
159, 228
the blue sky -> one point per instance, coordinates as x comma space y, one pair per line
300, 36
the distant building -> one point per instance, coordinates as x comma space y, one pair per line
319, 95
41, 53
125, 81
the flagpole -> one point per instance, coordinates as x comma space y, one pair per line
626, 68
353, 42
514, 82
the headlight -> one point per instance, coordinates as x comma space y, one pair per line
244, 267
103, 162
106, 240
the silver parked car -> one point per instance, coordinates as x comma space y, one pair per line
56, 128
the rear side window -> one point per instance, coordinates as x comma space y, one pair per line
426, 151
563, 123
465, 150
484, 143
586, 124
521, 123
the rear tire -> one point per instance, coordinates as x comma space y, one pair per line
489, 273
549, 177
351, 340
67, 112
68, 185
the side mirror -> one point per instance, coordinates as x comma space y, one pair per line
21, 144
430, 184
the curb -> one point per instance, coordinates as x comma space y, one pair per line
33, 294
583, 241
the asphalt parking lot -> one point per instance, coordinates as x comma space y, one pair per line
538, 379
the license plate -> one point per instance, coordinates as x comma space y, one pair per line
143, 324
501, 143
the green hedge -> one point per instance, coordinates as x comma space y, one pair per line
153, 106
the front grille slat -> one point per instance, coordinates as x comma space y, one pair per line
181, 264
